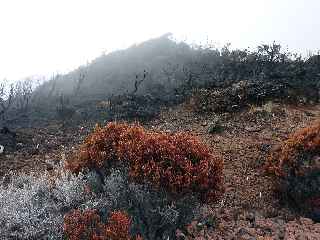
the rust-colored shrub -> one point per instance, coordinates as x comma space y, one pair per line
178, 162
88, 226
82, 225
118, 226
299, 154
99, 149
296, 164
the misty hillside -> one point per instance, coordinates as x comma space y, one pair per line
165, 140
158, 64
135, 83
161, 72
115, 72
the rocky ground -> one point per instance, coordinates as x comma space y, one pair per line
39, 148
250, 209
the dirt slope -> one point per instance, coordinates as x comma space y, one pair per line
250, 206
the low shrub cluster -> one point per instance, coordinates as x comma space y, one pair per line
178, 163
40, 207
296, 164
245, 93
154, 214
155, 178
88, 225
127, 106
32, 206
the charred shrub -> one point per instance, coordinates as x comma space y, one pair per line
240, 95
178, 163
128, 107
296, 165
64, 111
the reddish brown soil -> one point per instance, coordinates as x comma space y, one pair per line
41, 148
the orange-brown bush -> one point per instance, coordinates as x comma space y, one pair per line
99, 148
296, 164
177, 162
299, 154
87, 225
78, 225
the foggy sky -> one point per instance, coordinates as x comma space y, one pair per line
46, 36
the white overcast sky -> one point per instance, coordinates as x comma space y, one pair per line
47, 36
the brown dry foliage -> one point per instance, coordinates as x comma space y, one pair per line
178, 162
87, 225
297, 155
